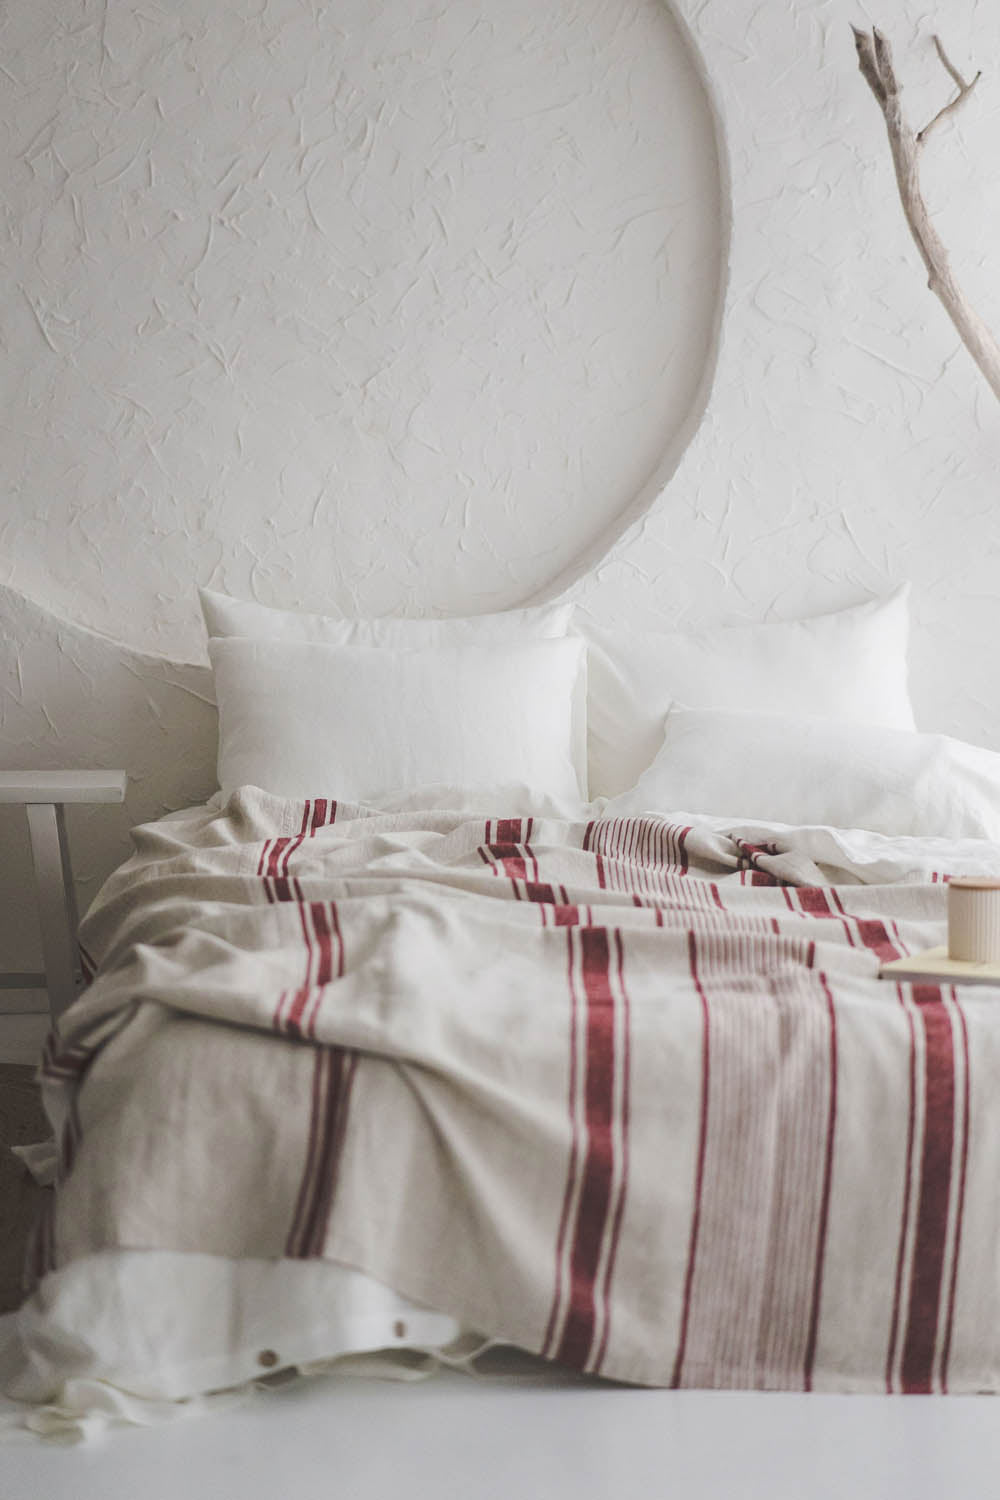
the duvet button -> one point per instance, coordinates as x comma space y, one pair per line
267, 1358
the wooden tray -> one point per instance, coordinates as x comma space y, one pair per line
935, 965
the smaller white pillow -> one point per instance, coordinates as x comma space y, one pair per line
776, 768
258, 622
847, 665
356, 723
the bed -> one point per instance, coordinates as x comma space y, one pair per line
440, 1051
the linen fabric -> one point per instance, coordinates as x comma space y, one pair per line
848, 665
239, 617
209, 1320
627, 1093
790, 769
359, 722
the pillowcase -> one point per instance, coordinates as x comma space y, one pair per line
258, 622
847, 665
777, 768
302, 719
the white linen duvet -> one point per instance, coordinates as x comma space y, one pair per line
624, 1091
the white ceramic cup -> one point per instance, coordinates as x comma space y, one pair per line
974, 919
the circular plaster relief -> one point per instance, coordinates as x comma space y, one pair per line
399, 308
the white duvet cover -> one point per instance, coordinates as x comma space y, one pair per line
113, 1332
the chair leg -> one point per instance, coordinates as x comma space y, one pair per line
56, 902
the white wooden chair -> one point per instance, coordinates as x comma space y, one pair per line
44, 795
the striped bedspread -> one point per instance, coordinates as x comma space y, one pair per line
626, 1093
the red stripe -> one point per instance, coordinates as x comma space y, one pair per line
529, 853
512, 860
543, 894
699, 1168
292, 1024
333, 935
320, 1062
281, 850
567, 916
875, 937
905, 1217
935, 1190
595, 1196
946, 1353
824, 1211
573, 1152
276, 854
335, 1125
333, 1075
321, 927
620, 1206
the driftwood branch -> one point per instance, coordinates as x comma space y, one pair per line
964, 90
875, 62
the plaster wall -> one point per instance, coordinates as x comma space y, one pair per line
414, 308
392, 307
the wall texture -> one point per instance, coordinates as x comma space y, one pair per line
849, 441
394, 307
413, 308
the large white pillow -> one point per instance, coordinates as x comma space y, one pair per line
847, 665
258, 622
779, 768
302, 719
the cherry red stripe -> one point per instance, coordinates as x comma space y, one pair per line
574, 1149
935, 1190
946, 1353
623, 1186
905, 1217
874, 936
316, 1217
320, 1065
595, 1195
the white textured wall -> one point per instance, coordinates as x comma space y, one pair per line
394, 306
850, 441
409, 307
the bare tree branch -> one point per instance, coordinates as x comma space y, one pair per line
883, 56
964, 90
868, 64
949, 65
875, 63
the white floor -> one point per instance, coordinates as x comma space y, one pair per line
458, 1438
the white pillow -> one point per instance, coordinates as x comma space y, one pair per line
258, 622
848, 665
302, 720
777, 768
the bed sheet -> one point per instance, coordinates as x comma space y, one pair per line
623, 1091
124, 1335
